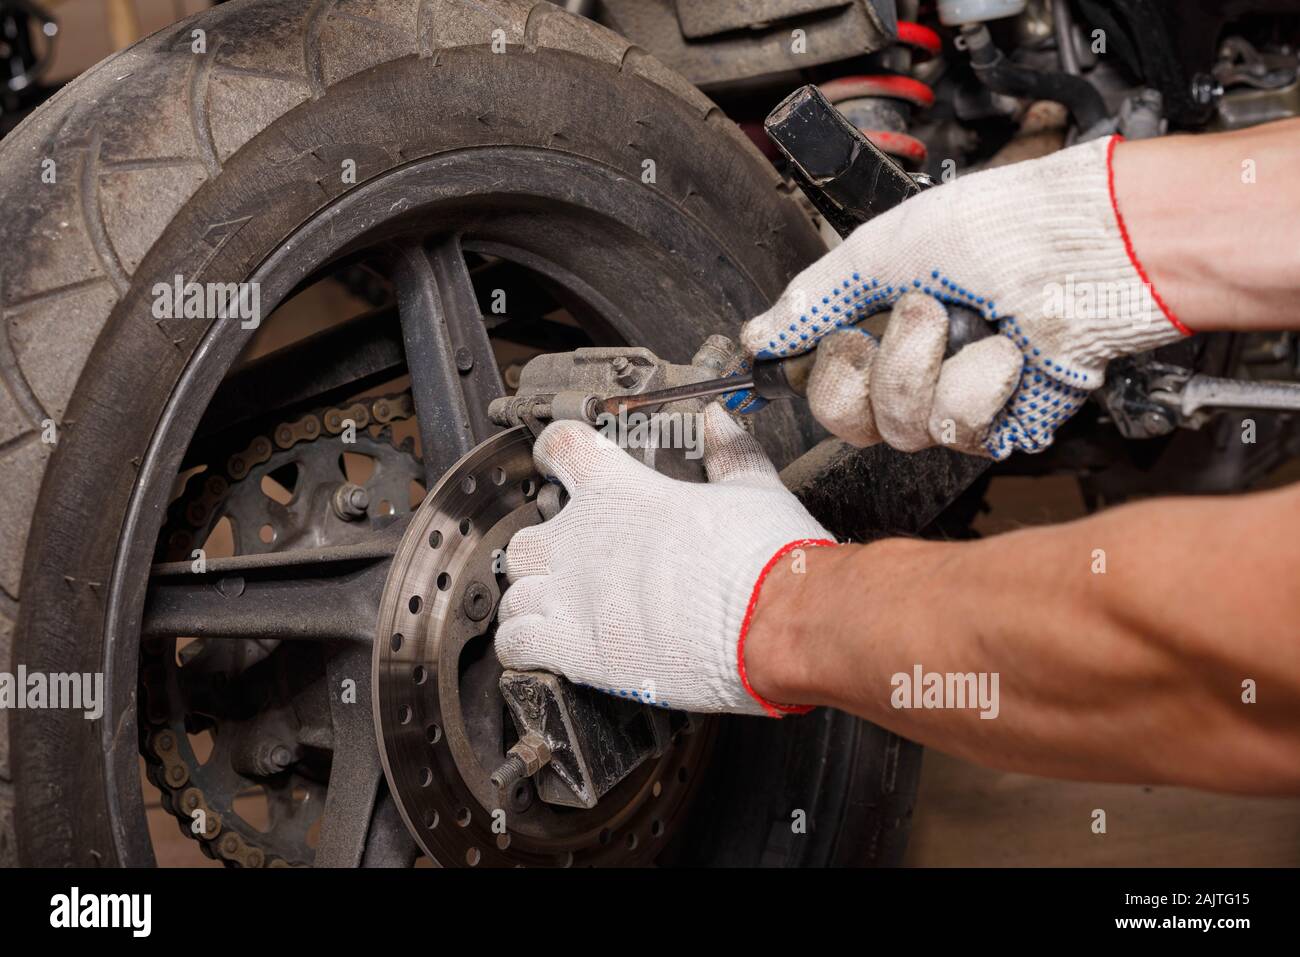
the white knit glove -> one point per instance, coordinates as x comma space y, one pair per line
1038, 248
642, 585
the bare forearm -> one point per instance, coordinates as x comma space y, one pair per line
1212, 219
1133, 673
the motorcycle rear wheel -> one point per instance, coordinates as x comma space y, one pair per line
582, 155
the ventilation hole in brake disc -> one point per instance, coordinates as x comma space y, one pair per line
395, 643
444, 581
419, 675
404, 714
498, 476
468, 484
435, 538
463, 817
473, 856
656, 828
529, 488
503, 841
431, 820
414, 604
433, 734
466, 526
426, 777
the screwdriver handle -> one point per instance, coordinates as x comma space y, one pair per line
783, 378
787, 378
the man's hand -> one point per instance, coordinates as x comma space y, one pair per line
642, 585
1039, 249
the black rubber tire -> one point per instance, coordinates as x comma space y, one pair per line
170, 162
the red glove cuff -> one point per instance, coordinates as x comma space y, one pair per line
771, 707
1128, 242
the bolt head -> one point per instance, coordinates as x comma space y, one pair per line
477, 601
464, 359
351, 502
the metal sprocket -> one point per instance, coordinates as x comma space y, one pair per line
263, 701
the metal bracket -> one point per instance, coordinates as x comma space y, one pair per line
591, 741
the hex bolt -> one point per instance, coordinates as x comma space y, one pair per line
351, 501
624, 372
477, 601
525, 759
281, 756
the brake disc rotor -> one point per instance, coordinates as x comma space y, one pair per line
441, 722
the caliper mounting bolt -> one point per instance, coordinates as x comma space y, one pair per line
625, 373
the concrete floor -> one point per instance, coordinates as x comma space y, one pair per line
972, 816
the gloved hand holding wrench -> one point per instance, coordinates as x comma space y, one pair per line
691, 590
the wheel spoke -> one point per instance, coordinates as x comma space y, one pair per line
453, 369
355, 773
389, 843
322, 594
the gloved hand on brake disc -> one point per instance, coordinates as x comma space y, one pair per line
641, 586
1039, 249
